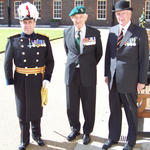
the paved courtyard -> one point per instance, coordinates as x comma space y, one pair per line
55, 126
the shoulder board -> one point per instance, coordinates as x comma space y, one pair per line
41, 35
13, 36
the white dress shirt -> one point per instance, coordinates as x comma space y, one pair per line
125, 28
82, 36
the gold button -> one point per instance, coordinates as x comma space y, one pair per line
25, 60
35, 74
21, 40
26, 75
22, 46
37, 60
23, 53
26, 67
37, 53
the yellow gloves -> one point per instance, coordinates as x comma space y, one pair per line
44, 96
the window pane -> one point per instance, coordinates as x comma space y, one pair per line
147, 9
57, 9
1, 10
16, 5
101, 9
79, 2
37, 3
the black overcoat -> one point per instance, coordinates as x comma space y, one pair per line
28, 52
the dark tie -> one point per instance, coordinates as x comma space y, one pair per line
120, 37
77, 41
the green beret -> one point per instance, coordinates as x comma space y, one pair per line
78, 10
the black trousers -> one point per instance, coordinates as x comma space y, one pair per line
74, 92
129, 103
25, 130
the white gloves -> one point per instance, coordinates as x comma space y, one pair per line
45, 83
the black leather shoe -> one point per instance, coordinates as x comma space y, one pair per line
23, 146
72, 135
86, 139
39, 141
108, 144
128, 147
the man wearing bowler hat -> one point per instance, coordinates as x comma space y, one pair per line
31, 54
126, 65
84, 51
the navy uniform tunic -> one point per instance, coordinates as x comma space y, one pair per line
28, 51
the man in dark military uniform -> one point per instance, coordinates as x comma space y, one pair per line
33, 60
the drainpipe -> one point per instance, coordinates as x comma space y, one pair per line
113, 13
9, 13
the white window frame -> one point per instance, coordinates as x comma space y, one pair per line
103, 10
37, 3
16, 16
147, 10
78, 3
1, 9
57, 9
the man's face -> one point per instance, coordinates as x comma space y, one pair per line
79, 20
123, 17
28, 26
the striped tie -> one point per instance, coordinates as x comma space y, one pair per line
120, 37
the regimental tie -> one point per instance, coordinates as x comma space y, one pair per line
77, 41
120, 37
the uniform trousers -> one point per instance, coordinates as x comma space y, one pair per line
74, 92
129, 103
25, 130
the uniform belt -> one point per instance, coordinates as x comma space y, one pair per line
31, 70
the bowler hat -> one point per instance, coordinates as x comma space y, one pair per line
78, 10
122, 5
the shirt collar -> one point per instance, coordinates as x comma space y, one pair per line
125, 28
83, 29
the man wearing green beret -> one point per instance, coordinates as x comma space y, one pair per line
84, 50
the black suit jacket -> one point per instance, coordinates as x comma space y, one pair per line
87, 60
130, 61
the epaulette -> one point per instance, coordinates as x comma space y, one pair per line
13, 36
39, 34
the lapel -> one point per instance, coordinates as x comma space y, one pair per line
72, 36
127, 35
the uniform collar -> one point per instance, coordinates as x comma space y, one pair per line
27, 35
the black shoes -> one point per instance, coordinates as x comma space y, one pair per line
128, 147
39, 141
23, 146
72, 135
86, 139
108, 144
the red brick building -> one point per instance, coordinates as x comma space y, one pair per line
99, 11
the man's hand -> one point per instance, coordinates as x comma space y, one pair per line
106, 80
140, 87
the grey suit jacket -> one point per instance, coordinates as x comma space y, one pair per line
130, 61
87, 60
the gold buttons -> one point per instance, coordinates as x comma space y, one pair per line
22, 46
37, 60
24, 60
21, 40
38, 53
23, 53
